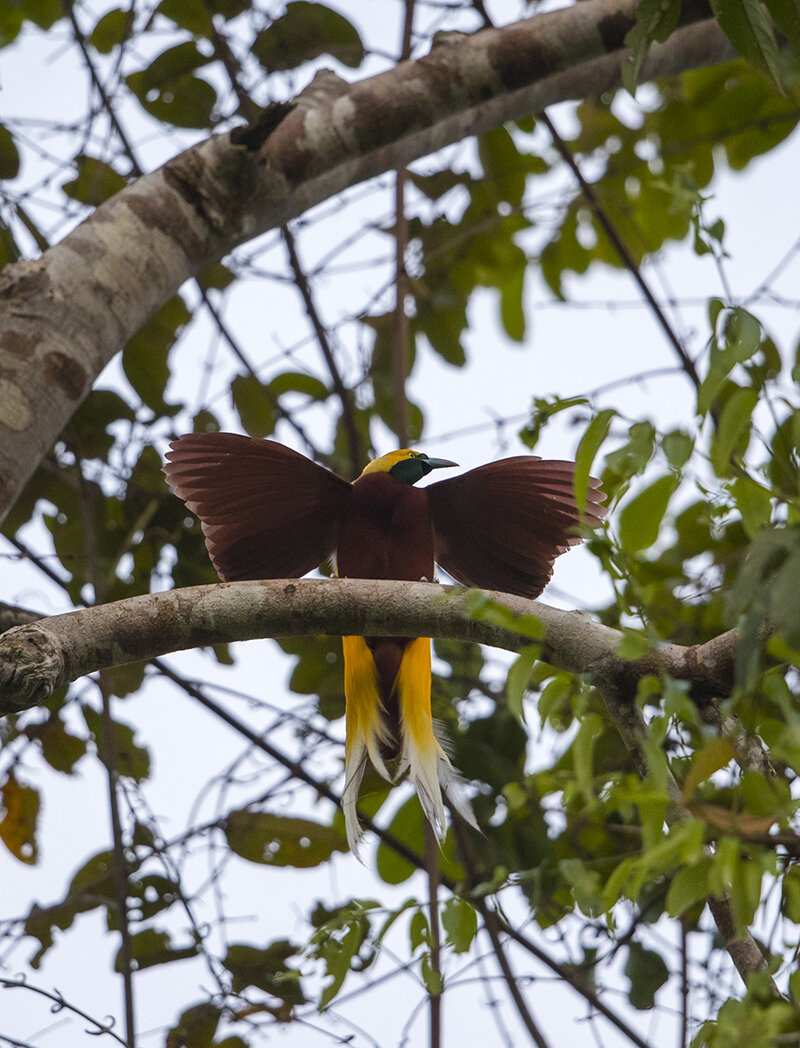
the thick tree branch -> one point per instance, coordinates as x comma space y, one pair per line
39, 657
65, 315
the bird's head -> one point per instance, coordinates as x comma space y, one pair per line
406, 466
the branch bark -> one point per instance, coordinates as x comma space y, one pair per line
63, 316
39, 657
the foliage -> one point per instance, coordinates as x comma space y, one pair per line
704, 535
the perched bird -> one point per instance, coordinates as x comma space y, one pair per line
269, 512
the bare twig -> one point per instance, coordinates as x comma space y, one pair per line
60, 1003
490, 923
434, 879
401, 327
345, 395
110, 759
611, 231
621, 248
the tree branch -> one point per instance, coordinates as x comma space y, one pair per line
39, 657
63, 316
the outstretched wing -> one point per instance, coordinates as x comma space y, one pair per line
502, 525
267, 512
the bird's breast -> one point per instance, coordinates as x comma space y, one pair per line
386, 532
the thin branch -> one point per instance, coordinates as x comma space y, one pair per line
250, 111
619, 245
570, 976
240, 355
59, 1003
491, 925
11, 615
401, 326
627, 718
683, 1032
110, 759
434, 876
611, 231
295, 768
68, 7
345, 395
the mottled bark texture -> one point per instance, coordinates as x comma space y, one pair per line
39, 657
63, 316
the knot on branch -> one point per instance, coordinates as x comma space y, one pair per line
254, 135
32, 667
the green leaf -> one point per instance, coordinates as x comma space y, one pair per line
152, 947
43, 13
266, 969
431, 977
9, 249
60, 749
304, 32
145, 359
11, 20
519, 677
406, 826
419, 931
629, 460
169, 90
713, 755
655, 20
594, 435
256, 404
131, 759
786, 15
737, 337
512, 305
94, 877
790, 895
647, 973
640, 519
688, 887
278, 840
733, 431
585, 884
192, 15
196, 1027
216, 276
20, 817
678, 447
299, 382
338, 940
111, 30
91, 427
634, 645
9, 154
747, 26
460, 922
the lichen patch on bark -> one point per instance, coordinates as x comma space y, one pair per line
15, 408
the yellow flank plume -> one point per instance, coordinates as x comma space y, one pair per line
421, 754
365, 730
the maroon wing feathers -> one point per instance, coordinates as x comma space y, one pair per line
502, 525
267, 512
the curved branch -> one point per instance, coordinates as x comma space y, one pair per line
39, 657
63, 316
